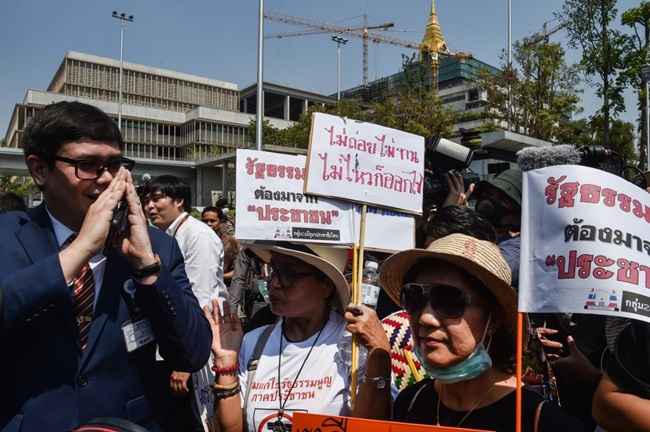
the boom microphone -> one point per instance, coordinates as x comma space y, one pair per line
532, 158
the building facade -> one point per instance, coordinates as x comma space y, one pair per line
172, 122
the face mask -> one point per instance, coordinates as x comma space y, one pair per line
474, 365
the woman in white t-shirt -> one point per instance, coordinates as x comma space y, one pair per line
301, 365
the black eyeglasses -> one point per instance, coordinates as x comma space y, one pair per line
286, 276
447, 301
92, 169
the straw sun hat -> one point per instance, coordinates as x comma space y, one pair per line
479, 258
331, 261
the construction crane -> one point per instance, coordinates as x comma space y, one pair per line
432, 47
546, 33
316, 27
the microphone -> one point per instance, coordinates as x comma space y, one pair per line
532, 158
146, 177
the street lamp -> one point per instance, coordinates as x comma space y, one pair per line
124, 19
339, 41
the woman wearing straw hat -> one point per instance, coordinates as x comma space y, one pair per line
296, 364
463, 314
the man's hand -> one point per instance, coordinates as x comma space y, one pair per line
555, 347
363, 322
227, 334
457, 195
178, 382
136, 247
576, 367
95, 227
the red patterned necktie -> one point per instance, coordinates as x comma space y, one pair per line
83, 302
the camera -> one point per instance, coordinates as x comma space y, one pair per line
441, 157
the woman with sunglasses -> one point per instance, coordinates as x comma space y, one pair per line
463, 314
296, 364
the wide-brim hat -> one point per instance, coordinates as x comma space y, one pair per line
481, 259
329, 260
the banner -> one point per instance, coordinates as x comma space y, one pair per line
386, 230
366, 163
304, 422
585, 244
270, 203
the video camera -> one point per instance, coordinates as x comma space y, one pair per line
441, 157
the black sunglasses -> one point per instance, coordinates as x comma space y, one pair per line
91, 169
447, 302
286, 275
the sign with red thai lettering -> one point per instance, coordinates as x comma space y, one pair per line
270, 203
366, 163
303, 422
585, 243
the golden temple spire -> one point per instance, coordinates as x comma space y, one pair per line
433, 43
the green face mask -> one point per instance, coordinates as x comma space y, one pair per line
474, 365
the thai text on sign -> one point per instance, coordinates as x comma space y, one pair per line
271, 205
585, 244
366, 163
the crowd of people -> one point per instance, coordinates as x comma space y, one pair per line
174, 325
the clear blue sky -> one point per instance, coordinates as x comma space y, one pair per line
218, 38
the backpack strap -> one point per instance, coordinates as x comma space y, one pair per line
254, 360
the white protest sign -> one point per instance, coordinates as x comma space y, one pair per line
386, 230
271, 205
366, 163
585, 244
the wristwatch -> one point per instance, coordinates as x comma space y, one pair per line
379, 382
147, 271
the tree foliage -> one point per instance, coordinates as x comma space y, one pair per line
638, 20
22, 186
544, 90
589, 28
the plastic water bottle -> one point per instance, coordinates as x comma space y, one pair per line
370, 284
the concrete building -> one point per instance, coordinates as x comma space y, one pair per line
172, 122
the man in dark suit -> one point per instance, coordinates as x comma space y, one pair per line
80, 325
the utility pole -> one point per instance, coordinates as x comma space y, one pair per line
259, 115
645, 75
124, 19
339, 41
509, 51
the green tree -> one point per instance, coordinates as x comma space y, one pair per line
22, 186
638, 19
589, 29
543, 87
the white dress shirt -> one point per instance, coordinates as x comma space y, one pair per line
203, 253
97, 263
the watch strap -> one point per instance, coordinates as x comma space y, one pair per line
148, 270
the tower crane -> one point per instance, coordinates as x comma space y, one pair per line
546, 32
432, 47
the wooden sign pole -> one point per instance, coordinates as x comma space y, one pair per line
519, 367
357, 278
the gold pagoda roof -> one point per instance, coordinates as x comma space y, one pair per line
433, 41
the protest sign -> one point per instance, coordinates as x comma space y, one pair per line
366, 163
585, 244
386, 230
304, 422
271, 205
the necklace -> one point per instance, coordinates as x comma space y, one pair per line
468, 412
286, 399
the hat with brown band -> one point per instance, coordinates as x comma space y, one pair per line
481, 259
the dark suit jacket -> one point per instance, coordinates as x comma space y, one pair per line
48, 383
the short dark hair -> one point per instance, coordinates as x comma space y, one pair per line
459, 220
65, 122
173, 187
217, 210
10, 201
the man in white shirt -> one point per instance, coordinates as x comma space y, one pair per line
167, 203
